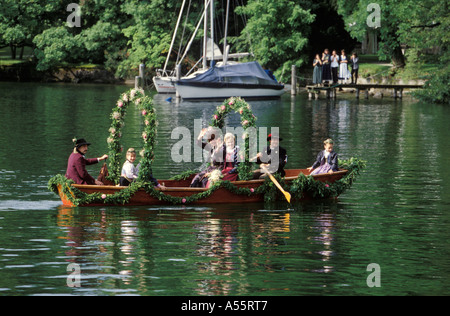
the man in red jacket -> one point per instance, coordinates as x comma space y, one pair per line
76, 166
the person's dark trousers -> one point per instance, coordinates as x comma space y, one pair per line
355, 74
334, 73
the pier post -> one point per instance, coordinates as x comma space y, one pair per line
178, 76
329, 93
366, 93
137, 82
309, 94
357, 93
395, 93
294, 80
141, 71
334, 93
400, 93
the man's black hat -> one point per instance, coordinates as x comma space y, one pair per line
80, 142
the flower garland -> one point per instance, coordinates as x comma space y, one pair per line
248, 120
145, 105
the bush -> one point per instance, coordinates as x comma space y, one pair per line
436, 88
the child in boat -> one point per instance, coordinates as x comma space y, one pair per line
327, 159
129, 171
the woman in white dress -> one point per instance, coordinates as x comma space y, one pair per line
344, 74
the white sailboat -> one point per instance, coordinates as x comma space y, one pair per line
228, 79
164, 80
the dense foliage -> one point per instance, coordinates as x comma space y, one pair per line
420, 26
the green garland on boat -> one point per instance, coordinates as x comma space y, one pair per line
298, 188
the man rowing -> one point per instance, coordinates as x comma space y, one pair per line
76, 166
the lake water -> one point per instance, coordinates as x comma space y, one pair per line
395, 217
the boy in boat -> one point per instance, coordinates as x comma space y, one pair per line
76, 166
273, 157
129, 171
326, 161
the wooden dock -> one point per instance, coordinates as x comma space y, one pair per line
331, 90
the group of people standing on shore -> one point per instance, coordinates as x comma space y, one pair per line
334, 68
223, 160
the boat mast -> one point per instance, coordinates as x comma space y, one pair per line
173, 37
205, 35
193, 36
225, 51
212, 31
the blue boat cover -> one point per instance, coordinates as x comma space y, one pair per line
243, 73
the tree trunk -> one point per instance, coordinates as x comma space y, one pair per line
21, 52
397, 57
13, 51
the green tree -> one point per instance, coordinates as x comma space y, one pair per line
149, 33
98, 40
425, 27
356, 14
277, 32
22, 20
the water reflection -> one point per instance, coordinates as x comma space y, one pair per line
202, 251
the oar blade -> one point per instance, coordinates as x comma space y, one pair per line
287, 195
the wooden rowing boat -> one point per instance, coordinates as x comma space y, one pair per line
181, 189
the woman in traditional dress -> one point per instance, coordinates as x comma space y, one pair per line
231, 160
317, 73
344, 74
326, 161
326, 70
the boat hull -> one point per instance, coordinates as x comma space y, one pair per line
181, 189
214, 92
164, 84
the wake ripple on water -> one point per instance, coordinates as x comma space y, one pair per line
15, 205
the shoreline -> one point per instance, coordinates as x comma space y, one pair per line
26, 72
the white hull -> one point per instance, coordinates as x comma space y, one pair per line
164, 84
192, 92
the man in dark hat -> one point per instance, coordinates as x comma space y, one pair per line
273, 157
76, 166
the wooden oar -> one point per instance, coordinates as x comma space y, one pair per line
287, 195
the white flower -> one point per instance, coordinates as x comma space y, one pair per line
116, 115
215, 176
132, 94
